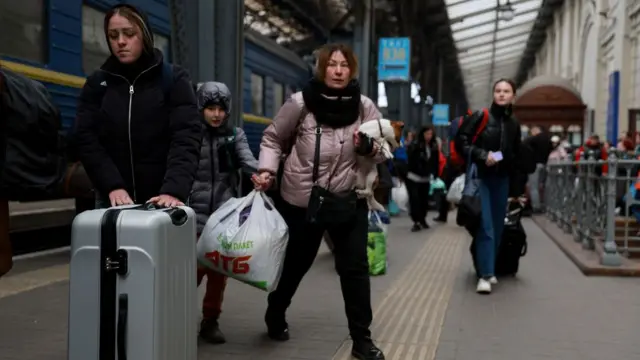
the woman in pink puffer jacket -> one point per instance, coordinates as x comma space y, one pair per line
317, 189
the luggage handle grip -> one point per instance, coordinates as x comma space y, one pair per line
178, 216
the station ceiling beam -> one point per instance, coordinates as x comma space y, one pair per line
301, 10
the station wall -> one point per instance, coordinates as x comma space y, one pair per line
596, 45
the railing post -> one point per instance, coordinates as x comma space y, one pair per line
578, 199
610, 255
587, 240
550, 188
567, 200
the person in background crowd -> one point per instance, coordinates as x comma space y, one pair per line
625, 138
495, 152
225, 151
540, 142
595, 147
318, 189
409, 138
558, 152
424, 156
627, 151
142, 147
449, 174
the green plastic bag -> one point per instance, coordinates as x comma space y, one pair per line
377, 253
436, 184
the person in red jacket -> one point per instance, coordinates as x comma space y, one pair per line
600, 153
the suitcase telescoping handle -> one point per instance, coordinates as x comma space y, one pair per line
123, 314
178, 216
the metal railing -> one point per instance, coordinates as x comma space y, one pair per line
591, 200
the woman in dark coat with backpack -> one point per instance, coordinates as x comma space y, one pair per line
423, 160
138, 131
495, 152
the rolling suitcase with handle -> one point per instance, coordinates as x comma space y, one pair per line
132, 292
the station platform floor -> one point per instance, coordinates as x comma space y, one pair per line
425, 308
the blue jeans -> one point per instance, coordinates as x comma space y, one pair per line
494, 195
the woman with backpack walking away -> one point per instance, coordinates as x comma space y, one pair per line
318, 189
494, 152
138, 131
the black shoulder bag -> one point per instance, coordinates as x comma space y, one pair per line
325, 207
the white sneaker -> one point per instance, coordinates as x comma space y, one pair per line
493, 280
484, 287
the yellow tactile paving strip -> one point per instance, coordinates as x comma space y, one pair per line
408, 322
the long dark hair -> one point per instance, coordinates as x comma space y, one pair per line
424, 129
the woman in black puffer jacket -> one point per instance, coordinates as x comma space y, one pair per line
137, 130
423, 157
495, 152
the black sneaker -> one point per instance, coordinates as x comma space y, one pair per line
366, 350
439, 219
424, 224
416, 227
210, 332
277, 327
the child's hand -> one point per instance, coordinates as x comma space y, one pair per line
262, 181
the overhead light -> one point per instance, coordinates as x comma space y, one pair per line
506, 11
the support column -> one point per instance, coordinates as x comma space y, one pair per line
393, 102
229, 50
208, 40
362, 42
622, 62
399, 104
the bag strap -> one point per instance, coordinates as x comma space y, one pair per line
316, 155
483, 124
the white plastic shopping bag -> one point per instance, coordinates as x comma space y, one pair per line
400, 196
455, 191
246, 239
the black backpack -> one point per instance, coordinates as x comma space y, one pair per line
32, 144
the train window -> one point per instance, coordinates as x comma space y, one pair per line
22, 29
95, 49
257, 94
278, 96
162, 43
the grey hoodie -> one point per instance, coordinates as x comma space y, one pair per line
225, 151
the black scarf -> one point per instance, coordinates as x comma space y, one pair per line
336, 108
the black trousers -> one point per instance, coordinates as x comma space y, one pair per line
418, 200
350, 251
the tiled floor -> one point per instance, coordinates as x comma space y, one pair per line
425, 308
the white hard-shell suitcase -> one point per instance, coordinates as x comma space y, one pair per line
132, 292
